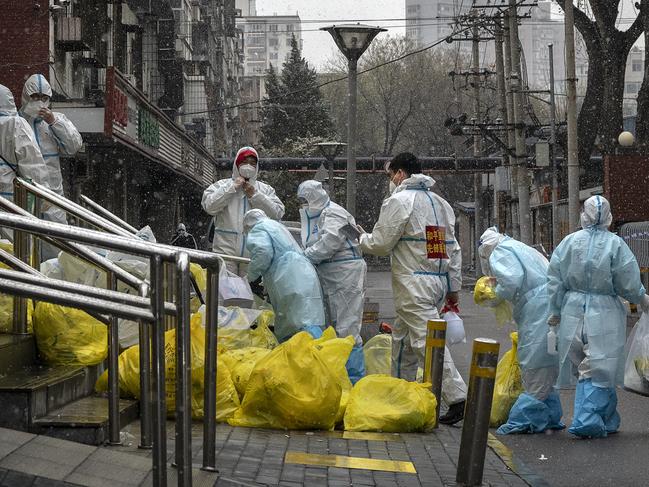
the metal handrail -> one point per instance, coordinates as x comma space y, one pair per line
97, 208
111, 303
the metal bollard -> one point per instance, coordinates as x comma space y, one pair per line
145, 378
209, 400
183, 373
113, 372
473, 444
21, 250
434, 361
159, 402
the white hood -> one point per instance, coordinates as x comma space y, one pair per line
314, 193
596, 213
416, 181
235, 168
7, 104
488, 242
36, 83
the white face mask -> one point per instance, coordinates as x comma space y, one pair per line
33, 107
247, 171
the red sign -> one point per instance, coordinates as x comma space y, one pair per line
436, 242
119, 108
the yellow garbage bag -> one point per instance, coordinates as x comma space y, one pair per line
378, 354
335, 353
7, 301
257, 334
484, 294
129, 374
508, 385
291, 388
68, 336
241, 362
200, 276
383, 403
227, 399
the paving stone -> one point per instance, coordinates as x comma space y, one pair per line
17, 479
11, 440
92, 481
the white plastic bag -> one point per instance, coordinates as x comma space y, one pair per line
636, 368
234, 289
454, 328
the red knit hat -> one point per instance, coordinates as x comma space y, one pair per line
245, 152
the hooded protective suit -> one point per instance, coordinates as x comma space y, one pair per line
289, 278
228, 205
19, 152
416, 227
521, 275
589, 271
61, 137
338, 260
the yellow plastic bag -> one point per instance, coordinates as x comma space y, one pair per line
200, 276
7, 301
484, 294
291, 388
383, 403
68, 336
335, 353
378, 355
227, 399
241, 362
256, 335
508, 385
129, 374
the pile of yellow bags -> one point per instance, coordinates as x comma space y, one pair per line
7, 301
508, 385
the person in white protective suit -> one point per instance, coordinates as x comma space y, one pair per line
339, 263
227, 200
416, 228
589, 271
55, 135
19, 152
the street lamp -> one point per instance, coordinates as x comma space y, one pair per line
352, 40
330, 151
626, 139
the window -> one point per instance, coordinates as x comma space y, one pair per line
636, 65
272, 27
273, 42
632, 88
290, 27
273, 56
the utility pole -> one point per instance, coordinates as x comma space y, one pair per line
521, 153
499, 217
477, 177
571, 90
511, 139
553, 153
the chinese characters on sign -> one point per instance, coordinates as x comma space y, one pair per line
436, 242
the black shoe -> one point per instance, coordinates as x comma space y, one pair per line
455, 414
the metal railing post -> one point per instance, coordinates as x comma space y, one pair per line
475, 430
21, 250
434, 361
159, 402
145, 378
183, 374
211, 340
169, 291
113, 371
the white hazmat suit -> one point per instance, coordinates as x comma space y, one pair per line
228, 205
19, 153
338, 260
60, 137
416, 227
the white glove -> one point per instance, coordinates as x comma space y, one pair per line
554, 320
644, 304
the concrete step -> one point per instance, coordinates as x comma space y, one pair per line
16, 351
84, 420
33, 391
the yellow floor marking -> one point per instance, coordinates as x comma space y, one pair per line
349, 462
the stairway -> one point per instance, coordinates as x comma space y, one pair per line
57, 401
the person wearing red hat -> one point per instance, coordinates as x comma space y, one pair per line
227, 200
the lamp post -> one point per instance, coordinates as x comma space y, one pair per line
330, 151
352, 40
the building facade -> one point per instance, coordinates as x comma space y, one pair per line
146, 84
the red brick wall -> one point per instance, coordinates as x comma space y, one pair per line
24, 42
626, 186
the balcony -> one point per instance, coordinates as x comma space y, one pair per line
70, 35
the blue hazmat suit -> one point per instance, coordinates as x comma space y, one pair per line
589, 271
521, 276
289, 278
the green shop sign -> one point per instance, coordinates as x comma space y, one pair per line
148, 130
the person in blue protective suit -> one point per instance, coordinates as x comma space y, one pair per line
290, 279
340, 265
416, 228
520, 273
589, 271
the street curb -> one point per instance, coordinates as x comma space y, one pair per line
514, 464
